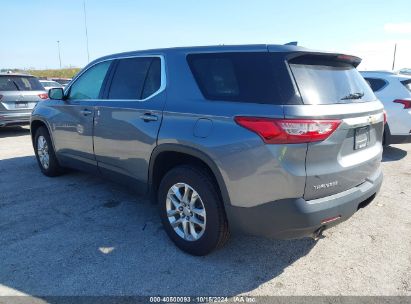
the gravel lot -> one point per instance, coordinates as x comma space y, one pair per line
81, 235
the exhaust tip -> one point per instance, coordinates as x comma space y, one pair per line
366, 202
318, 234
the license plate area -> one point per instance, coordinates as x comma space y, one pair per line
361, 137
21, 105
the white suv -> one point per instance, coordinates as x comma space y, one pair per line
394, 91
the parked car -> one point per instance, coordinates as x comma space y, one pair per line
19, 94
394, 91
63, 81
50, 84
269, 140
405, 71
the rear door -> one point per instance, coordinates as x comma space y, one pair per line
332, 89
128, 119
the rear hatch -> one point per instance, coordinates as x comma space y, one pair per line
19, 93
331, 88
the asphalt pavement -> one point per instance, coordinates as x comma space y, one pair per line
82, 235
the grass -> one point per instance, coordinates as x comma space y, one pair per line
60, 73
50, 73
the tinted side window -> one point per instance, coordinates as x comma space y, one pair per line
88, 85
153, 79
135, 78
407, 84
243, 77
376, 84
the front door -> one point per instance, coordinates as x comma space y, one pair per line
73, 124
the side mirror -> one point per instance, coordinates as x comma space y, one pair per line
56, 94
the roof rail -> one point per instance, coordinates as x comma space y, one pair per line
292, 43
381, 71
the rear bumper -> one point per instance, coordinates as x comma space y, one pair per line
14, 118
296, 218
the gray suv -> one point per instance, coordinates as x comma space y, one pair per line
19, 93
270, 140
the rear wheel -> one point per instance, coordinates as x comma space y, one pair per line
386, 138
191, 211
46, 157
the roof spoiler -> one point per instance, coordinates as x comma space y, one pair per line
303, 57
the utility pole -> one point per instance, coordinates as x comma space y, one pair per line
85, 27
395, 53
58, 47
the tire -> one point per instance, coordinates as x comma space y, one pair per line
53, 169
215, 232
386, 136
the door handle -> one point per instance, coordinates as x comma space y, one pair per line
149, 117
86, 112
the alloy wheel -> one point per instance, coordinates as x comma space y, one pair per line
186, 212
43, 152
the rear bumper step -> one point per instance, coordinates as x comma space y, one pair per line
296, 218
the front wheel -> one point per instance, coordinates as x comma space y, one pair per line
46, 157
191, 211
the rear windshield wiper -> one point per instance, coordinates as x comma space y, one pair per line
17, 87
353, 96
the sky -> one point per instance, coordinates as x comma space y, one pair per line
366, 28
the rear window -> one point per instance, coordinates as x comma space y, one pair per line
376, 84
242, 77
405, 71
407, 84
326, 81
19, 83
50, 84
62, 81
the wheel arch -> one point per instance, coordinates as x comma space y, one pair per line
35, 124
188, 154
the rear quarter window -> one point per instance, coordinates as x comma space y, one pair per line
238, 76
407, 84
376, 84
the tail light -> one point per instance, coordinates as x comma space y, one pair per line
405, 102
385, 117
43, 95
288, 131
